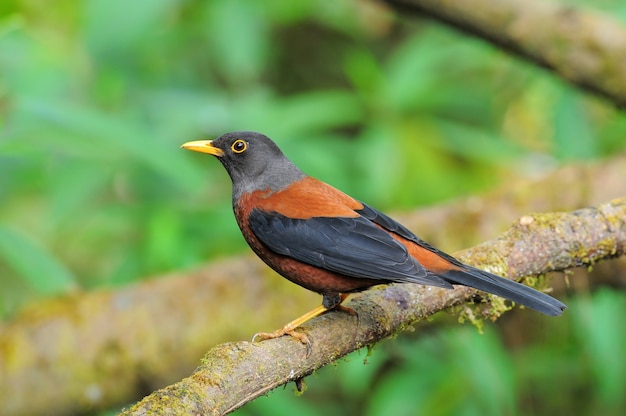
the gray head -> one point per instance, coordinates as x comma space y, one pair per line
252, 160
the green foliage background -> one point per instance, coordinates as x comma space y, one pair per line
96, 97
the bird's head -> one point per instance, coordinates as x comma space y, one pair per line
253, 161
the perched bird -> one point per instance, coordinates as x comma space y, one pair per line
328, 242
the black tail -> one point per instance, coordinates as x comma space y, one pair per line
517, 292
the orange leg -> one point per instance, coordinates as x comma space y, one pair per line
289, 329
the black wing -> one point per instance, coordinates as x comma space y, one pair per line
355, 247
471, 276
392, 225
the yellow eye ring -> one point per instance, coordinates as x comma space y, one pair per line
239, 146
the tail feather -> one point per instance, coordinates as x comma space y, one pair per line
509, 289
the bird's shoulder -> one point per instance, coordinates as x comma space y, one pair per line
303, 199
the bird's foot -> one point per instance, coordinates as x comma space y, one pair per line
290, 328
286, 330
262, 336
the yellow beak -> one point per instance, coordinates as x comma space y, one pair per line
203, 146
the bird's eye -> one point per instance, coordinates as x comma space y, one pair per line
239, 146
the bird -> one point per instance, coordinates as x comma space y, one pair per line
328, 242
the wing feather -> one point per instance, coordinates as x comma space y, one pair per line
355, 247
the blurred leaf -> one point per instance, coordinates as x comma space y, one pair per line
238, 33
460, 379
417, 70
486, 146
134, 22
290, 404
360, 371
487, 370
163, 240
113, 134
318, 111
363, 70
184, 113
297, 115
604, 340
573, 136
35, 265
400, 392
74, 189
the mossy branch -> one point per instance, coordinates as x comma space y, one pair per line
232, 374
585, 48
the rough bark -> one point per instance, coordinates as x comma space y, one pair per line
585, 48
232, 374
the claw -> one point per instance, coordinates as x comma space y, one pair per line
286, 330
289, 329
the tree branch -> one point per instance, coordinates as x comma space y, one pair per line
232, 374
585, 48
